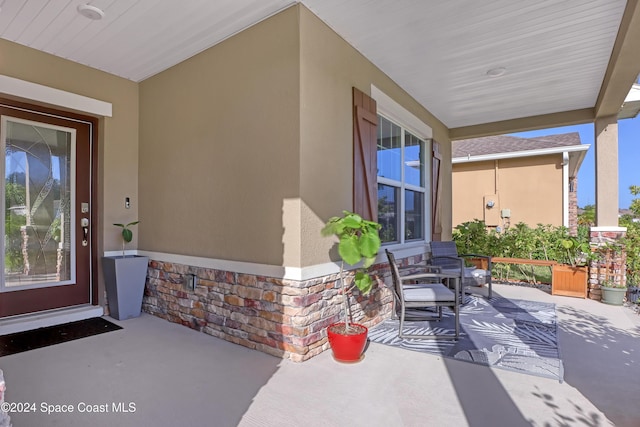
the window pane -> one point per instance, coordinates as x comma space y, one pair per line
413, 160
413, 215
38, 191
388, 212
389, 151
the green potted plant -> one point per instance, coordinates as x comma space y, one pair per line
612, 293
358, 242
611, 261
125, 277
569, 278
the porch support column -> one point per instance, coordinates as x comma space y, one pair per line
606, 231
607, 201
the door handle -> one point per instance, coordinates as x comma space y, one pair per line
84, 223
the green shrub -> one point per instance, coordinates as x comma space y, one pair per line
545, 242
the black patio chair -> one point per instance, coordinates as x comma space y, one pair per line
445, 255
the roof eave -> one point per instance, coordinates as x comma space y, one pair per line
527, 153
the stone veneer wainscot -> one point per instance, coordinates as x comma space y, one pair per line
281, 317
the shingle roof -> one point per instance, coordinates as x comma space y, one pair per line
507, 144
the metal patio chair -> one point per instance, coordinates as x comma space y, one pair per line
445, 255
417, 294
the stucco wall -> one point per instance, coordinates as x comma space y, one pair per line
118, 135
471, 181
530, 187
118, 143
219, 152
239, 158
330, 67
246, 148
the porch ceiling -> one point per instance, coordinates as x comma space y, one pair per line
564, 61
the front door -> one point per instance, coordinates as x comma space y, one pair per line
46, 184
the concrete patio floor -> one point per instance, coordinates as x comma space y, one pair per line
174, 376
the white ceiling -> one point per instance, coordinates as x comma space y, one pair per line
555, 52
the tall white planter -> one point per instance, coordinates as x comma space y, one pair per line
125, 278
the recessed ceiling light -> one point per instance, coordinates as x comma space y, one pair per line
90, 12
496, 72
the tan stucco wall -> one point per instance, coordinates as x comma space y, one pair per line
471, 181
329, 68
530, 187
230, 154
118, 144
606, 158
261, 157
117, 140
219, 152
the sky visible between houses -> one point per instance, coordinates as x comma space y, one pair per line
628, 159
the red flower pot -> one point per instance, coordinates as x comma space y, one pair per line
347, 346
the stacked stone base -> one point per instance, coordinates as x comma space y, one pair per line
284, 318
609, 265
595, 293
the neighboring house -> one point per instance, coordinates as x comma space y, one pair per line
505, 180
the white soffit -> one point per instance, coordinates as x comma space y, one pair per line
134, 39
554, 53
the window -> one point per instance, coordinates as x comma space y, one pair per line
402, 183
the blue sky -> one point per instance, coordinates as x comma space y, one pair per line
628, 159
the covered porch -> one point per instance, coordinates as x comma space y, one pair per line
233, 155
176, 376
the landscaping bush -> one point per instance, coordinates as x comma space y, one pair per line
545, 242
520, 241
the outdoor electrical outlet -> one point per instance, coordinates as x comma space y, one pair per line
190, 281
127, 203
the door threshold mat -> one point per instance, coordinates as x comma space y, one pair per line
43, 337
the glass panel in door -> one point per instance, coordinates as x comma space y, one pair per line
38, 188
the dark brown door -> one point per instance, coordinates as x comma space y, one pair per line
46, 181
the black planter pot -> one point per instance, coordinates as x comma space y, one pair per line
633, 294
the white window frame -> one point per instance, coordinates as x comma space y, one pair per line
403, 186
391, 110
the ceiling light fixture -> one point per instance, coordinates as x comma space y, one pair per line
496, 72
90, 12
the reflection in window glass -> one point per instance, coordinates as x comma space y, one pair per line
402, 183
388, 212
413, 160
38, 192
413, 215
389, 149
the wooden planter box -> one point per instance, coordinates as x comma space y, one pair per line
481, 263
569, 281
